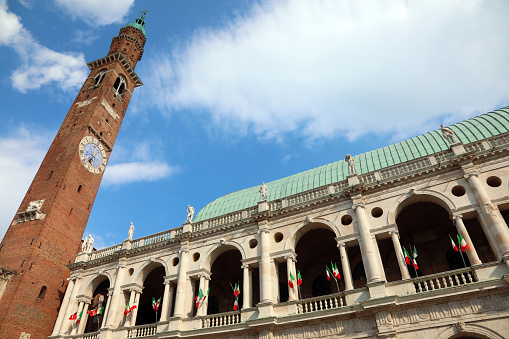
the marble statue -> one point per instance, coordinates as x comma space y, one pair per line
88, 244
190, 213
130, 232
263, 191
448, 134
35, 205
351, 164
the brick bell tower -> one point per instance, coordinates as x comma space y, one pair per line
45, 234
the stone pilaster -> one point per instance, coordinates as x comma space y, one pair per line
399, 255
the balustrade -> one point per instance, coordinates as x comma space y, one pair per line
105, 252
221, 319
444, 280
154, 238
405, 168
321, 303
93, 335
141, 331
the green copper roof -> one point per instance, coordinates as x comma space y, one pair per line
139, 24
471, 130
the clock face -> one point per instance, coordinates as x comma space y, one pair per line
92, 154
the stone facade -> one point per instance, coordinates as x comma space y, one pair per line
362, 224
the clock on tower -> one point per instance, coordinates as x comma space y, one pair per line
46, 232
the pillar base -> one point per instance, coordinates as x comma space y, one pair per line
352, 179
265, 309
377, 289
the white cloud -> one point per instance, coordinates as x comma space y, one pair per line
135, 172
21, 155
40, 65
349, 68
97, 12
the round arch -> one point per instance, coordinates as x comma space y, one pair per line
415, 196
91, 285
298, 231
217, 250
149, 267
471, 330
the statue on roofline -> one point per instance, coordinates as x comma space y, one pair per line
263, 191
190, 213
351, 164
448, 134
130, 233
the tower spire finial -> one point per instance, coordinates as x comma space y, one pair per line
143, 14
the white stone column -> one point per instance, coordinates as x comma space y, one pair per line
292, 292
63, 307
369, 253
206, 288
201, 310
132, 298
462, 230
399, 255
74, 329
180, 300
379, 258
107, 308
114, 311
266, 278
246, 301
84, 318
496, 223
345, 264
71, 306
487, 232
166, 302
135, 311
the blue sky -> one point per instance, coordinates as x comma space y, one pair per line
239, 92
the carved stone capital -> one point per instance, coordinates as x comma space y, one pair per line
457, 216
471, 174
246, 266
461, 326
394, 232
341, 244
263, 230
291, 257
358, 202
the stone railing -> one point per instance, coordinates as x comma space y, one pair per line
105, 252
326, 302
141, 331
442, 157
340, 185
154, 238
93, 335
308, 195
476, 146
405, 168
499, 140
225, 219
221, 319
444, 280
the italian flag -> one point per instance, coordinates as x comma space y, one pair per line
328, 272
335, 270
407, 257
198, 298
463, 243
155, 304
414, 262
236, 304
74, 316
78, 317
129, 309
299, 278
236, 290
292, 279
454, 247
97, 311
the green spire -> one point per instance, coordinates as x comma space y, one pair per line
140, 23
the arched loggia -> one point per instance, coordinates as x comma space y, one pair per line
98, 303
226, 272
153, 288
315, 249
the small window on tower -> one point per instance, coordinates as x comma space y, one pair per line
99, 78
42, 293
119, 85
79, 188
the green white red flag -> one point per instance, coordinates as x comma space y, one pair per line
73, 316
414, 262
328, 272
155, 304
463, 243
129, 309
299, 278
198, 298
454, 247
97, 311
291, 280
236, 304
78, 317
407, 257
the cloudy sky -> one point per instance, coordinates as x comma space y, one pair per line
238, 92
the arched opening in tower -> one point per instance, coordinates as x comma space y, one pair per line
153, 290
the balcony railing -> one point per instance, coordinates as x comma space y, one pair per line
326, 302
93, 335
141, 331
221, 319
444, 280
